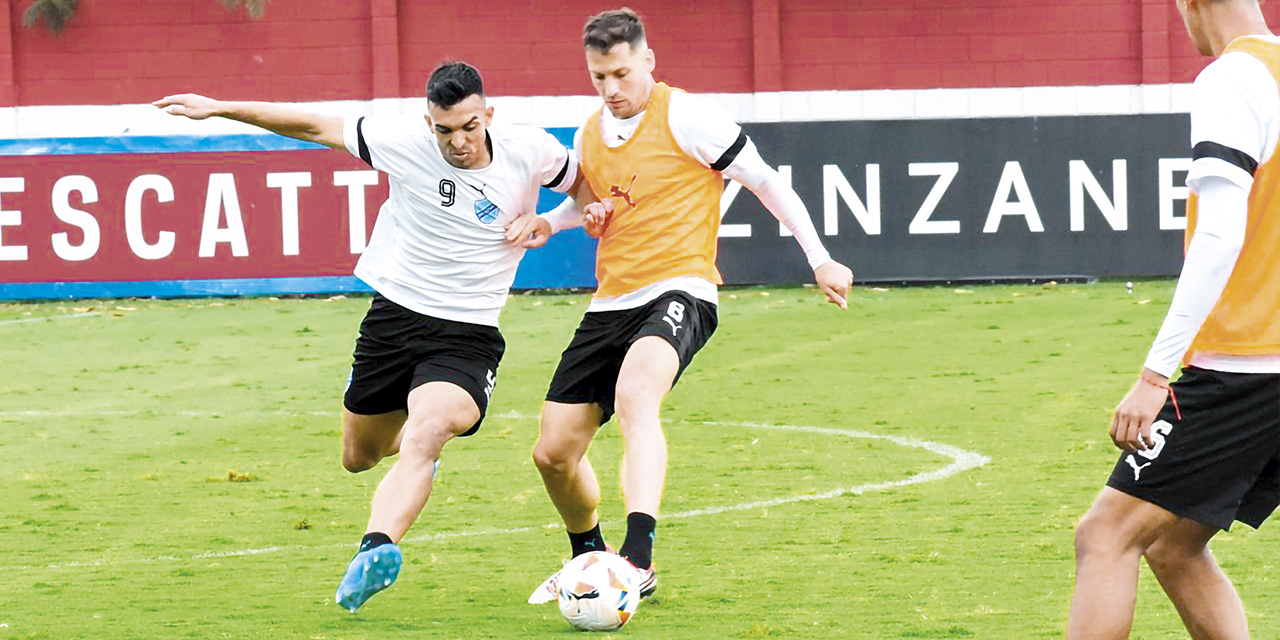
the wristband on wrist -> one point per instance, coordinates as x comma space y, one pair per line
1172, 396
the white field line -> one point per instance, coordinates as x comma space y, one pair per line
43, 319
961, 460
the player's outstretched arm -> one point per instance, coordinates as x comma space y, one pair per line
750, 170
707, 133
277, 118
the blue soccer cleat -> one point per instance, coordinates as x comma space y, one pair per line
369, 572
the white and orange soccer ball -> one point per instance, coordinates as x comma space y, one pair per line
598, 591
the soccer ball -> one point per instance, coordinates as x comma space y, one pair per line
598, 591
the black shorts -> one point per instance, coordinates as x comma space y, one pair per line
1221, 461
399, 350
588, 370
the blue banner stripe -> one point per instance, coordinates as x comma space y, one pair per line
534, 278
178, 144
152, 144
181, 288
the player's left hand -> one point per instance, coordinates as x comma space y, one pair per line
191, 105
595, 217
528, 231
1131, 424
834, 279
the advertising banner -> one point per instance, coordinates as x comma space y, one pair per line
910, 200
1000, 198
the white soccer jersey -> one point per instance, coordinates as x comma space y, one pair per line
438, 246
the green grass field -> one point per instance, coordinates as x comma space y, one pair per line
124, 423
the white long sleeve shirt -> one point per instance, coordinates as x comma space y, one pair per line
1236, 104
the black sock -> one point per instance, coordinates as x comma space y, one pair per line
586, 541
373, 540
638, 548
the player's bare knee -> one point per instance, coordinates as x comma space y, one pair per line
1162, 562
1093, 536
552, 460
1167, 557
630, 390
633, 403
357, 461
640, 424
425, 437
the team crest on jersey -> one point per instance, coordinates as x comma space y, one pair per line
487, 211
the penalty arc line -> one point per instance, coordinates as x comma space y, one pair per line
962, 460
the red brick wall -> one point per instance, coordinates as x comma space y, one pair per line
704, 44
127, 51
123, 51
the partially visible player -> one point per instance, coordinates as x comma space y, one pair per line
1204, 451
442, 256
657, 158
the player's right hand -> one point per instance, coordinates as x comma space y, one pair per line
528, 231
595, 217
1131, 424
196, 107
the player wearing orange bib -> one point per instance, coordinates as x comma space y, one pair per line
656, 157
1204, 451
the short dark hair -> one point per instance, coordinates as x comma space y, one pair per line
452, 82
607, 29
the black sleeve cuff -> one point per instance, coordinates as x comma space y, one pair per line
731, 153
555, 182
1236, 157
363, 146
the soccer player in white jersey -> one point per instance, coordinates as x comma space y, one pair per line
441, 259
1204, 451
657, 158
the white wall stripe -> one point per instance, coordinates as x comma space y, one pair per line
570, 111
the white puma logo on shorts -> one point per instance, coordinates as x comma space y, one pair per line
675, 328
1137, 470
